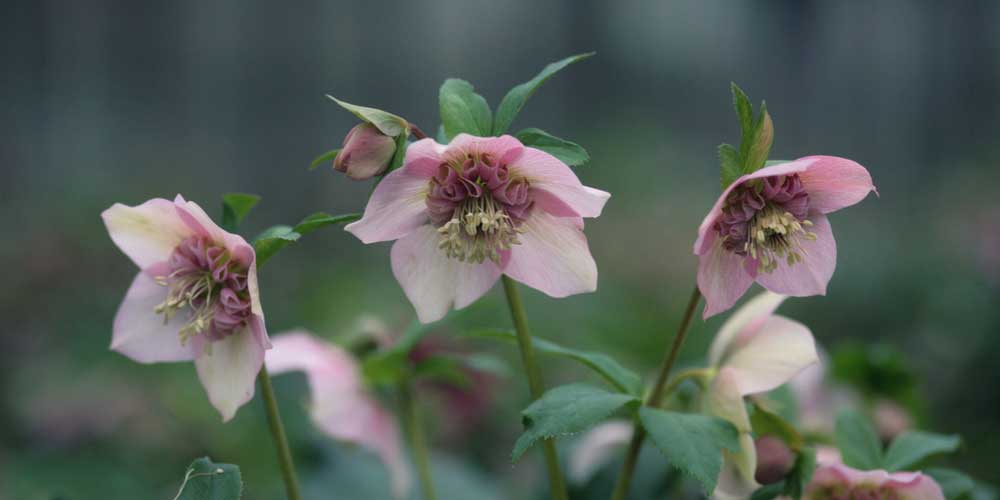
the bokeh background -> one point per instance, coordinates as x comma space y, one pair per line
109, 102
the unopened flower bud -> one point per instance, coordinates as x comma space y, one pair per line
774, 459
366, 152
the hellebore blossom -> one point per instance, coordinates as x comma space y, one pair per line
341, 405
770, 226
366, 152
195, 297
834, 481
466, 213
755, 351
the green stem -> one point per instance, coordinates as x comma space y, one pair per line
654, 399
278, 433
557, 486
412, 427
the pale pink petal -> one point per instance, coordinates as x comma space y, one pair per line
902, 485
747, 318
546, 173
423, 158
736, 479
199, 222
505, 147
722, 279
140, 333
395, 209
228, 369
597, 447
779, 350
146, 233
834, 183
810, 276
433, 282
553, 256
725, 400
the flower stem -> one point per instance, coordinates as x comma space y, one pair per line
415, 130
653, 400
278, 434
410, 416
557, 486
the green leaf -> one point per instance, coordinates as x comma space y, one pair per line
387, 123
800, 475
320, 219
729, 161
760, 142
859, 445
327, 157
621, 378
567, 152
236, 206
910, 448
444, 368
744, 112
274, 238
954, 484
568, 409
769, 491
766, 422
463, 110
693, 443
512, 103
206, 480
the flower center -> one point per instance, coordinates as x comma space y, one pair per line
209, 286
477, 207
766, 220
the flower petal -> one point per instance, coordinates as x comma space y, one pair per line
597, 447
140, 333
747, 318
502, 148
776, 353
146, 233
810, 276
834, 183
726, 401
903, 485
396, 208
229, 371
423, 158
722, 279
553, 256
199, 221
546, 173
433, 282
736, 479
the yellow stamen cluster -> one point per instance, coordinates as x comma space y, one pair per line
478, 230
193, 290
776, 235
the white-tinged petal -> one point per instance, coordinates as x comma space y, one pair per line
396, 208
779, 350
553, 256
747, 318
229, 371
146, 233
725, 401
140, 333
736, 480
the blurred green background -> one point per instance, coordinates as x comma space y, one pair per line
109, 102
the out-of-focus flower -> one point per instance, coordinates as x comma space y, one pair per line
366, 152
597, 447
890, 419
466, 213
467, 400
774, 459
341, 406
838, 481
819, 399
770, 226
195, 297
755, 351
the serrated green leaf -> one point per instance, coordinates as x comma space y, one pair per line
567, 152
910, 448
513, 102
206, 480
766, 422
387, 123
744, 112
729, 162
327, 157
566, 410
859, 445
463, 110
760, 143
621, 378
320, 219
692, 442
954, 484
802, 471
236, 206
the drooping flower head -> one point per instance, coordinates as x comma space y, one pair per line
195, 297
834, 481
341, 406
770, 226
465, 213
755, 351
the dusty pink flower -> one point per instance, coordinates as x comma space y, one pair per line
341, 406
366, 152
466, 213
840, 482
195, 297
771, 227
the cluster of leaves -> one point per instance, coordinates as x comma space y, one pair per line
755, 143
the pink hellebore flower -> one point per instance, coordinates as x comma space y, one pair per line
836, 481
341, 405
770, 226
755, 351
466, 213
195, 297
